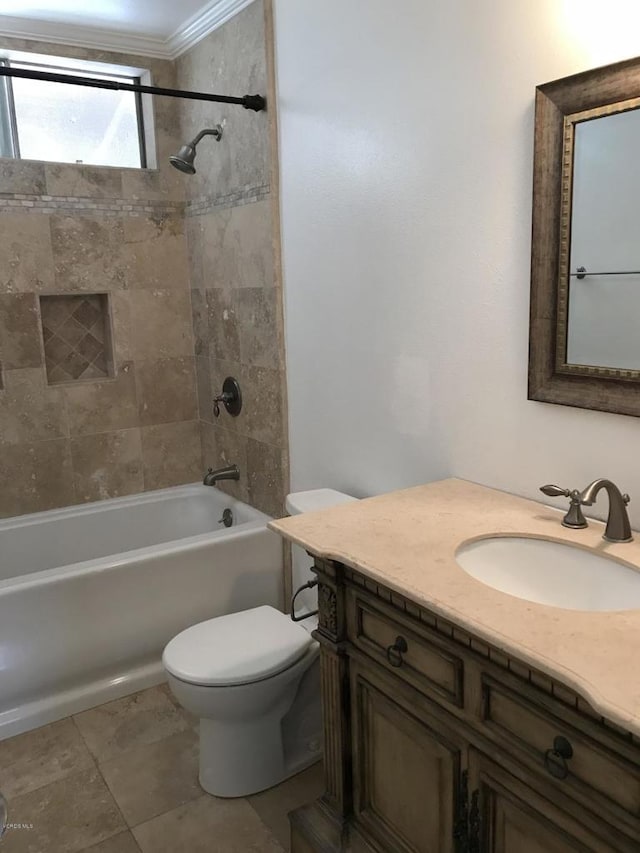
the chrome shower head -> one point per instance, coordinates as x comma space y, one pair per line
183, 160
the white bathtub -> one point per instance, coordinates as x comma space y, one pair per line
90, 595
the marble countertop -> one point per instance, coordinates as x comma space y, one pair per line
407, 541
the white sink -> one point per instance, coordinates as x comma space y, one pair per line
551, 573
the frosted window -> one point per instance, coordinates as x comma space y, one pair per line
75, 124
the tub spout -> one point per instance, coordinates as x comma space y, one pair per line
231, 472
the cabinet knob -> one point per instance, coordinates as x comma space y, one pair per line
555, 759
395, 651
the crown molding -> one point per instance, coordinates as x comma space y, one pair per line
211, 16
95, 38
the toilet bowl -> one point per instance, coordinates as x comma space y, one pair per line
253, 680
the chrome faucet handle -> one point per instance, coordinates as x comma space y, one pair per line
574, 517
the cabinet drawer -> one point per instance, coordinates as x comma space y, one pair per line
380, 633
593, 771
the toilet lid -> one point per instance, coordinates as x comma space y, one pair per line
236, 649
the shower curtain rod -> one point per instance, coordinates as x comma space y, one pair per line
249, 102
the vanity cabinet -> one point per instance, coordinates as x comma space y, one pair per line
436, 742
406, 768
515, 817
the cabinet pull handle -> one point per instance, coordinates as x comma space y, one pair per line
395, 651
555, 759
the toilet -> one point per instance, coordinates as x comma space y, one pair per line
253, 679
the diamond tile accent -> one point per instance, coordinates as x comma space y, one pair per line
76, 332
98, 330
75, 364
56, 350
72, 332
90, 347
88, 311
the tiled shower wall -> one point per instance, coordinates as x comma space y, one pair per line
232, 230
121, 233
72, 229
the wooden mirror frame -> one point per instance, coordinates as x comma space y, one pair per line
551, 380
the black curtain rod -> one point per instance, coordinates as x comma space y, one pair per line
249, 102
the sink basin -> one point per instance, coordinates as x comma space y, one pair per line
551, 573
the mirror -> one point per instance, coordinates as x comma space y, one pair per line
584, 344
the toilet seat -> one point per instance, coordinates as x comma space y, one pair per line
239, 648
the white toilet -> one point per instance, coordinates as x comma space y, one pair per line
253, 680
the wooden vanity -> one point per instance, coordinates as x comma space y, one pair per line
438, 740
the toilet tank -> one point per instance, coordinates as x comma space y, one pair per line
301, 564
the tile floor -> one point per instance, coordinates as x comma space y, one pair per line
123, 778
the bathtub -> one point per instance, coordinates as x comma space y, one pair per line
90, 595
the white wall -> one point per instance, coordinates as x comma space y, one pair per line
406, 138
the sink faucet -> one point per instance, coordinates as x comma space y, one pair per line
618, 528
231, 472
574, 518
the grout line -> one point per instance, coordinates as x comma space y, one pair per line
137, 399
201, 796
188, 730
245, 436
125, 831
59, 779
77, 435
285, 847
82, 737
115, 801
135, 841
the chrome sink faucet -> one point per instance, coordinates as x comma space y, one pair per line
231, 472
618, 528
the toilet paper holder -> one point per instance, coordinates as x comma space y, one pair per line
294, 618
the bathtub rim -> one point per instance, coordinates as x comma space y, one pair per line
123, 558
90, 507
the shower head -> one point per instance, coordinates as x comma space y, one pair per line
183, 160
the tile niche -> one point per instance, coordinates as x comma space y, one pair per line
76, 332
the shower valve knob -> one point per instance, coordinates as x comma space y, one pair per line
231, 398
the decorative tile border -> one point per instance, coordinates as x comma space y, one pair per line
14, 202
207, 204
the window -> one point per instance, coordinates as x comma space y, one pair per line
60, 122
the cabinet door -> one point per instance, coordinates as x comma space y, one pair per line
507, 816
406, 768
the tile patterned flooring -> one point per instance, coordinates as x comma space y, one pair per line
123, 778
